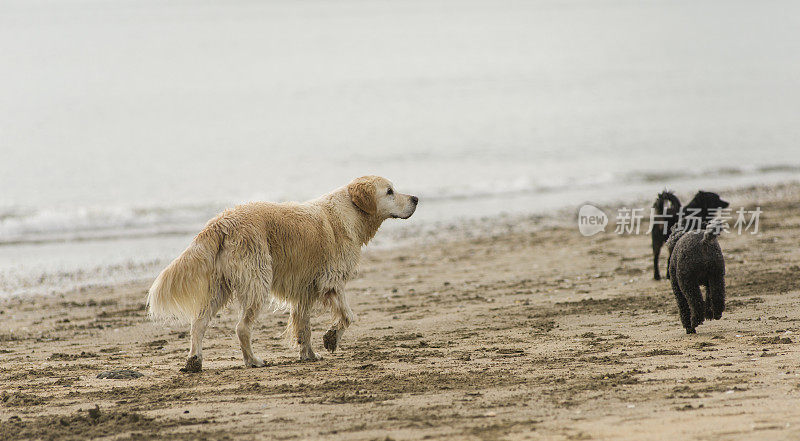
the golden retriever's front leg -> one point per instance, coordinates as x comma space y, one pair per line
341, 318
300, 323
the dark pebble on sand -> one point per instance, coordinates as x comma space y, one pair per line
123, 374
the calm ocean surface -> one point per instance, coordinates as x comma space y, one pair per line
125, 125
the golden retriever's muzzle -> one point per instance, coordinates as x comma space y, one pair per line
413, 201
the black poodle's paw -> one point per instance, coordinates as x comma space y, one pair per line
718, 310
656, 276
691, 331
709, 311
697, 320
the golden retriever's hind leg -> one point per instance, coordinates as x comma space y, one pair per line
248, 274
300, 324
246, 319
194, 363
341, 318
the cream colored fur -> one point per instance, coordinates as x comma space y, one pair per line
296, 255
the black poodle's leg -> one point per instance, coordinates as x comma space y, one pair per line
683, 306
691, 289
716, 292
657, 243
709, 310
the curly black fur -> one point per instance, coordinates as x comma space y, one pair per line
700, 206
658, 233
696, 259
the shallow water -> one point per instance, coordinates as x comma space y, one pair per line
125, 125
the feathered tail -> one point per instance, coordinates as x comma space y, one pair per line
184, 289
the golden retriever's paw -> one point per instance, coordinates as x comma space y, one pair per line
331, 340
306, 354
255, 363
193, 364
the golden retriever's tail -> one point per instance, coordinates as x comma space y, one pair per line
186, 287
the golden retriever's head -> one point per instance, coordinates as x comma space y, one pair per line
375, 195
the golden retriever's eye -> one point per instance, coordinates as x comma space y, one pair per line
390, 191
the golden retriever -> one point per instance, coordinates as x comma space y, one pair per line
294, 255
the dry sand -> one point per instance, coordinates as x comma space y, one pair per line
522, 335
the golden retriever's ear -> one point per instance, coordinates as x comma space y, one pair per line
362, 193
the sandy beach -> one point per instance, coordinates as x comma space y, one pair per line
524, 334
126, 125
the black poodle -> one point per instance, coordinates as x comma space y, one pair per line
696, 259
699, 208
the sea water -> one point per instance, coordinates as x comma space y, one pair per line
125, 125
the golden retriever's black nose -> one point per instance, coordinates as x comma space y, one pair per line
414, 199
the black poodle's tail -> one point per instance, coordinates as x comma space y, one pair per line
713, 230
663, 197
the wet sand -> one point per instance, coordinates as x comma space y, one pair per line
524, 334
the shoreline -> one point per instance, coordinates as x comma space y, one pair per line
392, 235
521, 334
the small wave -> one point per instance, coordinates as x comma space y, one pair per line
14, 282
22, 225
526, 185
782, 168
518, 186
27, 225
721, 172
